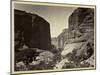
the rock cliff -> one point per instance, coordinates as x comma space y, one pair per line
78, 45
31, 30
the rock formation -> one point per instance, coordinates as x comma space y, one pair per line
31, 30
32, 41
82, 16
78, 45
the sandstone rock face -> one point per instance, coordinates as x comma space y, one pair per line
31, 30
84, 25
81, 27
82, 18
32, 42
60, 41
63, 37
78, 45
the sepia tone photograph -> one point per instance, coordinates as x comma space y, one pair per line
48, 37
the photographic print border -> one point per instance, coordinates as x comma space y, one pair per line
50, 4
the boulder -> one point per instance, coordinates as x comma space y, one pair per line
70, 48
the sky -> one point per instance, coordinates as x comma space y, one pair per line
55, 15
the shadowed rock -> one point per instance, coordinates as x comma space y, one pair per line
31, 30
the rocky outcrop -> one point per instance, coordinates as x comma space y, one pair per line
61, 39
34, 59
31, 30
78, 50
81, 18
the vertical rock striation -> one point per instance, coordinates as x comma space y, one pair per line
31, 30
